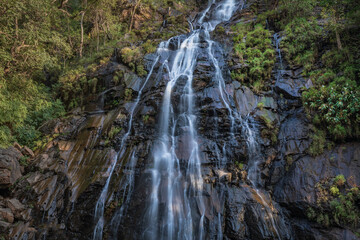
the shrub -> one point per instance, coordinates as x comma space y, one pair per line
338, 208
299, 44
131, 56
253, 50
318, 143
114, 131
340, 180
338, 106
334, 191
128, 94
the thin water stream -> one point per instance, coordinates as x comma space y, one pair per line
100, 204
251, 134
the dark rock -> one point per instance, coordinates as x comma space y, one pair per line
289, 83
9, 166
296, 190
15, 206
6, 215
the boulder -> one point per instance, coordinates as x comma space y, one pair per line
27, 152
6, 215
10, 169
15, 206
289, 83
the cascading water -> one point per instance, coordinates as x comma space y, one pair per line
100, 204
171, 214
277, 39
249, 130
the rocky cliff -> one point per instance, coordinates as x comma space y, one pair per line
54, 193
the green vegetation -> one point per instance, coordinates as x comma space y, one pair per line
338, 105
339, 180
146, 118
318, 143
289, 161
300, 44
114, 131
240, 165
128, 94
255, 54
322, 37
24, 161
325, 43
336, 204
49, 48
271, 131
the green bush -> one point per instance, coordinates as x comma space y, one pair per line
339, 207
253, 50
340, 180
334, 190
318, 143
6, 138
23, 109
299, 44
114, 131
338, 106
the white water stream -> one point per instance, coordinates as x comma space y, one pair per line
170, 214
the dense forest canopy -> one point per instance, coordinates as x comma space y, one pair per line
47, 48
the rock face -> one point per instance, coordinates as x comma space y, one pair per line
57, 196
9, 167
296, 189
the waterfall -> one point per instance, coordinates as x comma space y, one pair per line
176, 205
171, 214
100, 204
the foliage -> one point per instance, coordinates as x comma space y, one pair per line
299, 44
114, 131
128, 94
323, 43
338, 105
45, 58
240, 165
339, 180
336, 204
146, 118
271, 131
255, 54
289, 162
23, 161
318, 143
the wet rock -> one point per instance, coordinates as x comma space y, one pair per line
15, 206
289, 83
6, 215
305, 231
245, 100
20, 231
296, 189
10, 169
4, 226
294, 134
268, 116
235, 227
268, 102
223, 175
